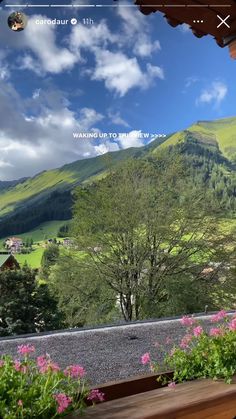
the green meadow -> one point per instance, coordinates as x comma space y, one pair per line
32, 259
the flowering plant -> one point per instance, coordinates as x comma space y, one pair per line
40, 389
202, 354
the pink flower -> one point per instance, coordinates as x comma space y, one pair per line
1, 363
45, 364
96, 396
19, 367
185, 341
49, 367
168, 340
219, 316
197, 331
63, 402
216, 331
75, 371
25, 349
232, 324
187, 321
145, 359
53, 366
20, 403
172, 384
41, 361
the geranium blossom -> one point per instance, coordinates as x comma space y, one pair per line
145, 359
232, 324
96, 395
219, 316
19, 367
41, 360
63, 401
197, 331
25, 349
185, 341
49, 366
187, 321
216, 331
45, 365
172, 384
75, 371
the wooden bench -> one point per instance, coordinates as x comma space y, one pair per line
199, 399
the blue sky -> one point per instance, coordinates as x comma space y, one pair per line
125, 73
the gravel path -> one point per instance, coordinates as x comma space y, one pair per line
107, 353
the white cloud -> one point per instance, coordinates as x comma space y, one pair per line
214, 94
30, 144
121, 73
190, 81
136, 32
131, 139
145, 47
36, 93
4, 72
184, 28
83, 37
48, 57
106, 147
116, 119
154, 71
4, 164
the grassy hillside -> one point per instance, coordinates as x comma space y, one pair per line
27, 203
59, 179
48, 195
45, 230
222, 132
33, 259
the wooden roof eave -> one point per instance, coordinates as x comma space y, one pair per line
177, 16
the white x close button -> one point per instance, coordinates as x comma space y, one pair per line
223, 21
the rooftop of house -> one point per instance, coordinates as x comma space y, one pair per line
3, 259
203, 17
8, 258
107, 353
15, 239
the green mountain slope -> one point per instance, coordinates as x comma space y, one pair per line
58, 179
220, 133
48, 196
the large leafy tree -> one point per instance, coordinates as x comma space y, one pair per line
150, 233
49, 258
25, 306
83, 298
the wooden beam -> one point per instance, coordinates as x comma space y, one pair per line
198, 399
208, 13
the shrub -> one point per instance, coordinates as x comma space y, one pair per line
40, 389
202, 354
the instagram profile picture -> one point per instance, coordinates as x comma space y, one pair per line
17, 21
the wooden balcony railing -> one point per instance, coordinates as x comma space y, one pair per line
198, 399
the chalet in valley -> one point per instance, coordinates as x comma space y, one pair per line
14, 244
8, 262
